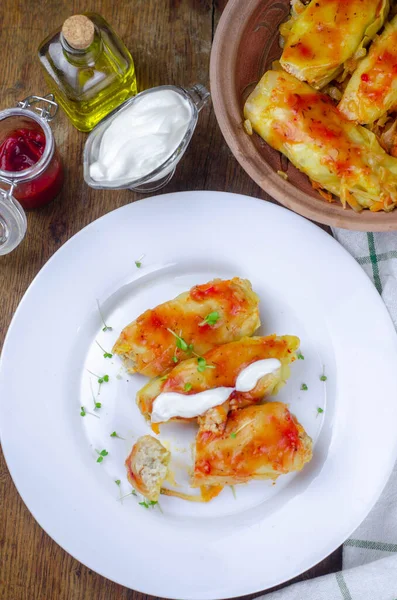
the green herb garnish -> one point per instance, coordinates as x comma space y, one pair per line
202, 364
83, 412
117, 482
105, 326
304, 387
175, 359
105, 353
210, 319
149, 503
101, 378
300, 356
233, 435
116, 435
323, 378
187, 387
138, 262
319, 410
132, 493
101, 454
180, 342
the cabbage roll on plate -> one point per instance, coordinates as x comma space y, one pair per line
372, 89
338, 155
319, 39
259, 442
211, 314
181, 393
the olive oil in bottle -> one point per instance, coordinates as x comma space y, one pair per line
88, 68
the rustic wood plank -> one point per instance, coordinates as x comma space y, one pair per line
171, 42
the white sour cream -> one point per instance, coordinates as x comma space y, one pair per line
171, 404
249, 377
142, 137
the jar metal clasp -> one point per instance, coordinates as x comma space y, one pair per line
7, 193
47, 108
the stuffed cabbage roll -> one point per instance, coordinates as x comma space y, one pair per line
259, 442
219, 368
320, 38
337, 155
147, 466
372, 89
217, 312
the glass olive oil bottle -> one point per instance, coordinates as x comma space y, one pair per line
88, 68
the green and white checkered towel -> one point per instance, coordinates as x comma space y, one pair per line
370, 555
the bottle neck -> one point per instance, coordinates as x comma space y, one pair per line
82, 57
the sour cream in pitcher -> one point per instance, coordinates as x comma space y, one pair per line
142, 137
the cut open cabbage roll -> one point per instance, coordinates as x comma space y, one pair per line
323, 36
211, 314
147, 466
338, 155
259, 442
372, 89
222, 367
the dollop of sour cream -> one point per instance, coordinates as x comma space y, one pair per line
142, 137
249, 377
171, 404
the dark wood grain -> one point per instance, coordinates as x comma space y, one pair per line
171, 43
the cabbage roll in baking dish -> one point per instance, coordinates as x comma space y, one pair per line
217, 312
320, 38
337, 155
372, 89
259, 442
219, 368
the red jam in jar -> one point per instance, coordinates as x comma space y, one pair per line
28, 157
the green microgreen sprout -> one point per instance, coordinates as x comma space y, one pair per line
138, 263
304, 387
149, 503
84, 412
233, 491
319, 411
187, 387
180, 342
175, 359
164, 378
94, 399
202, 364
105, 353
101, 455
101, 378
131, 493
116, 435
234, 433
117, 482
211, 319
105, 326
323, 376
300, 356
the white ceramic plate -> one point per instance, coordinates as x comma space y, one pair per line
308, 285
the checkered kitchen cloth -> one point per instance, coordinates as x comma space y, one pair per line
370, 555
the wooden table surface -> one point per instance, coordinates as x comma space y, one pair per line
170, 41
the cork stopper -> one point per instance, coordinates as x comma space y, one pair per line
78, 31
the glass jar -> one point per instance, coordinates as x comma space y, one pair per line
31, 173
196, 97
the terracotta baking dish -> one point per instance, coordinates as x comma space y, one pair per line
246, 43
